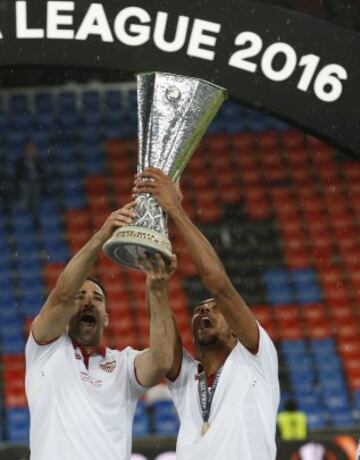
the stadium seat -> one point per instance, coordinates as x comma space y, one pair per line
18, 425
141, 425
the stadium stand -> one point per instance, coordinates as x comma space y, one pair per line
281, 208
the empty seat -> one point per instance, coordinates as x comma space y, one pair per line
18, 425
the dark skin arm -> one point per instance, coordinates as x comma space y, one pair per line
208, 264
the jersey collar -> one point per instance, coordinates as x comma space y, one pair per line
101, 350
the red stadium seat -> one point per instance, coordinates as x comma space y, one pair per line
251, 177
243, 142
269, 139
216, 142
297, 157
298, 258
51, 273
293, 332
292, 139
275, 173
321, 154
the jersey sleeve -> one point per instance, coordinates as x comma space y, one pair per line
187, 372
265, 361
134, 383
37, 354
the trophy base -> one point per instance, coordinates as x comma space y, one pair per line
131, 242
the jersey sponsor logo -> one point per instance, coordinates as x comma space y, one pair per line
108, 367
87, 378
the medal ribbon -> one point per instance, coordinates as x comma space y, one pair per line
206, 396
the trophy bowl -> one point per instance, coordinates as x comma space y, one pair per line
174, 112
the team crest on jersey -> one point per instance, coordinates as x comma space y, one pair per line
77, 356
108, 367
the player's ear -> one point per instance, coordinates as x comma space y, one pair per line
106, 321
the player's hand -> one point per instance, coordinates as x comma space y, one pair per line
158, 184
157, 270
119, 218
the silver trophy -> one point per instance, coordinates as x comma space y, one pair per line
174, 112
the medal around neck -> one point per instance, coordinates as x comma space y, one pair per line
174, 112
205, 428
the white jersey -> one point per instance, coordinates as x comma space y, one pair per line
78, 412
243, 411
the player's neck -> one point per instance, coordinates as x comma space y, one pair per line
212, 358
90, 349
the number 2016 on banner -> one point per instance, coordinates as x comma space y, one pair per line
328, 82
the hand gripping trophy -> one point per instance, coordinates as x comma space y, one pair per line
174, 112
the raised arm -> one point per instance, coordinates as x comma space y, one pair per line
208, 264
59, 307
154, 363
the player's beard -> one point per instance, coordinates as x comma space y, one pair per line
206, 341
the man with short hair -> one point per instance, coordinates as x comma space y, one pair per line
82, 395
227, 398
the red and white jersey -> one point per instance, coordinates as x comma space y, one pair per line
243, 411
79, 412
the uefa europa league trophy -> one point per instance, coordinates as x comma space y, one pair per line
173, 114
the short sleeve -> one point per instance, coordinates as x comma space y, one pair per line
130, 358
187, 371
265, 361
38, 354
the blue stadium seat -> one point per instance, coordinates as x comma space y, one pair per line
336, 401
41, 138
323, 347
69, 170
277, 284
132, 100
91, 101
4, 121
74, 201
306, 288
31, 306
166, 421
307, 401
66, 102
15, 138
294, 347
69, 120
112, 131
166, 424
28, 265
46, 120
234, 126
91, 120
113, 100
18, 103
341, 417
89, 134
93, 160
141, 424
276, 277
300, 364
57, 251
7, 301
18, 422
12, 343
278, 125
332, 382
357, 399
316, 418
44, 102
22, 121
